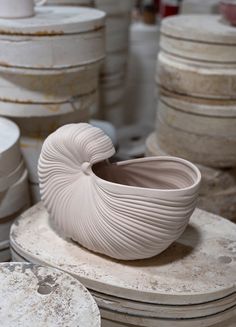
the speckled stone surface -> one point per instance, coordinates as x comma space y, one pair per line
39, 296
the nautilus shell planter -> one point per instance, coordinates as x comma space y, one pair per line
127, 210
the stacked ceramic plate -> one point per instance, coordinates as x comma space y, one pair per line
196, 114
113, 75
49, 72
191, 284
14, 197
46, 296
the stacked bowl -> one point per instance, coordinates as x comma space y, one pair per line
14, 196
49, 72
196, 118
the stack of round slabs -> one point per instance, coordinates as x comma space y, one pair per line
141, 97
191, 284
49, 71
113, 75
14, 196
196, 76
42, 296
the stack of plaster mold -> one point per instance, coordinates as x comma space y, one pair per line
141, 92
49, 72
111, 104
105, 125
14, 194
141, 97
196, 116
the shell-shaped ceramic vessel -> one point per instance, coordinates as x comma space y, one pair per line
128, 210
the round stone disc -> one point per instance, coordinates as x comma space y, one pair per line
44, 296
199, 28
200, 267
55, 21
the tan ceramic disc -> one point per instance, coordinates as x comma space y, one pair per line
44, 296
200, 267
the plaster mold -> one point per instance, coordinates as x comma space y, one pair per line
128, 210
201, 131
47, 86
46, 36
18, 110
213, 42
200, 79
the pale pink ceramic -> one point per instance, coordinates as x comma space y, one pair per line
18, 8
228, 10
128, 210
